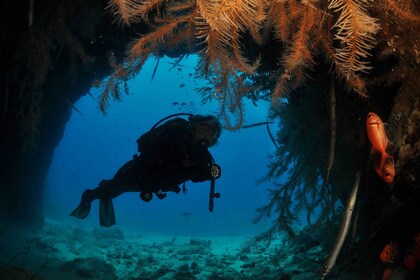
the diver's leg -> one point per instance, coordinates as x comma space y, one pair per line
106, 213
110, 189
82, 211
128, 176
105, 190
125, 180
126, 167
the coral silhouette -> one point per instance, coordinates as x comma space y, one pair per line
304, 180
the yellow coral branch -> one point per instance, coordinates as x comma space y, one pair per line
355, 31
278, 18
403, 10
148, 43
298, 56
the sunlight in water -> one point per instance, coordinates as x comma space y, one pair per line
95, 145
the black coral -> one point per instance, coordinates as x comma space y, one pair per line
354, 30
346, 31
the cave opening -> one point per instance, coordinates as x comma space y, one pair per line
95, 145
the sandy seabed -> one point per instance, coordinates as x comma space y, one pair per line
62, 251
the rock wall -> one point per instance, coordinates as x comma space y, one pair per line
48, 63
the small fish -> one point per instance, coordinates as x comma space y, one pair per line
155, 69
186, 214
388, 253
376, 133
176, 63
182, 85
377, 137
387, 173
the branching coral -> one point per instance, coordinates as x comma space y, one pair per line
304, 182
298, 167
212, 28
220, 31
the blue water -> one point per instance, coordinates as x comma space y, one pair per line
95, 145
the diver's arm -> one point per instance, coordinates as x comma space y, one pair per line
201, 171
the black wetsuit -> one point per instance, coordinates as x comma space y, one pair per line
168, 157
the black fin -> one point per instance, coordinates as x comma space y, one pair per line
82, 211
106, 213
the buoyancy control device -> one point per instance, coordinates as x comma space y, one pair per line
148, 139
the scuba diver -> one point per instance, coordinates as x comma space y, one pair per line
170, 154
